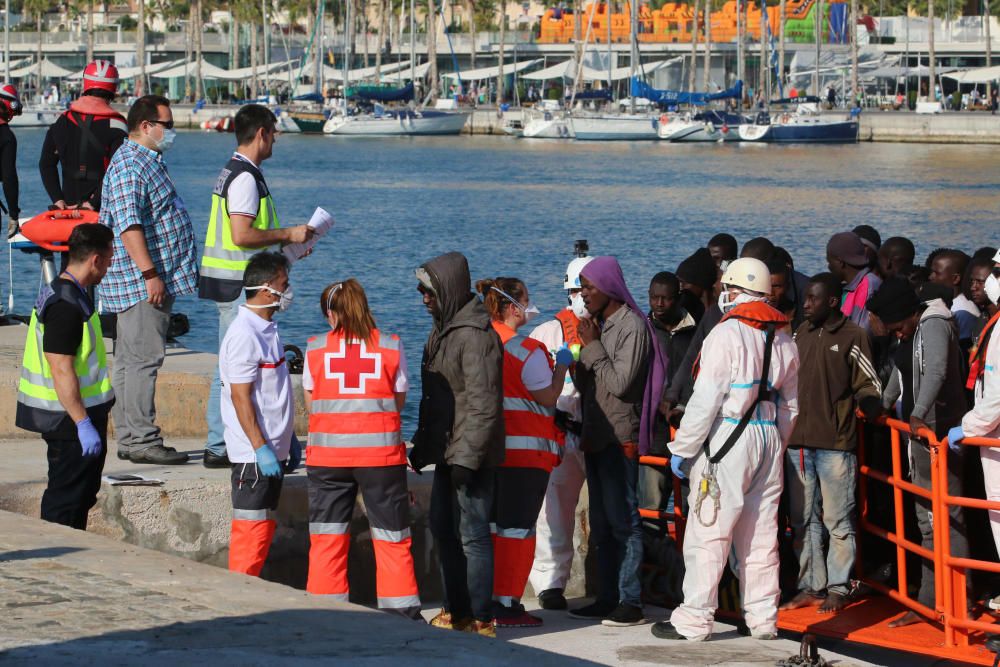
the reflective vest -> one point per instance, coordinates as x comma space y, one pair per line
223, 262
570, 327
353, 420
531, 437
38, 406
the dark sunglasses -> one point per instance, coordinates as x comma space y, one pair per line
996, 271
168, 124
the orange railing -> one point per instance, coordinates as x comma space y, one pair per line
962, 637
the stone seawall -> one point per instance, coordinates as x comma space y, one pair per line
951, 128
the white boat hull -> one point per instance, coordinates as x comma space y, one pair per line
287, 124
36, 117
415, 124
553, 128
614, 127
754, 132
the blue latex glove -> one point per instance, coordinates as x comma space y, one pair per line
675, 465
955, 436
267, 461
294, 455
564, 356
90, 439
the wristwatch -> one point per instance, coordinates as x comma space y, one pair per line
149, 274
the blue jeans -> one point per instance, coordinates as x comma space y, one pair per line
615, 526
821, 485
216, 442
460, 523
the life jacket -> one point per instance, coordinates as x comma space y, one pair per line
531, 437
38, 406
223, 262
89, 158
756, 314
977, 355
570, 327
354, 421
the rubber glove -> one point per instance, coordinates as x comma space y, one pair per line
955, 436
564, 356
267, 461
90, 439
675, 465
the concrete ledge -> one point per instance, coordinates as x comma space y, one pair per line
949, 127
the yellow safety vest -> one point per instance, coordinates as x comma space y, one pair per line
38, 406
223, 263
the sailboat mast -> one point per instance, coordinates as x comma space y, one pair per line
740, 75
318, 50
633, 52
819, 38
607, 16
413, 48
348, 46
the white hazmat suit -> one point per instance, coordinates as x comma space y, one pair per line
749, 476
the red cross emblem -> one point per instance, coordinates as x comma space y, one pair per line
359, 367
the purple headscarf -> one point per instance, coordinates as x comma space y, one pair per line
606, 275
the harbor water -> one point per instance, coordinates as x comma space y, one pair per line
514, 207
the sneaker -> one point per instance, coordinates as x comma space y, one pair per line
994, 604
666, 630
515, 617
593, 612
444, 621
552, 598
159, 455
483, 628
624, 616
765, 636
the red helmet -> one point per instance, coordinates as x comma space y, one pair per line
100, 74
10, 102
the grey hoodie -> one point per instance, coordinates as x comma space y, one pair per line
461, 409
938, 386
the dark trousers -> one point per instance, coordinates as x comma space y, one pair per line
460, 523
74, 479
616, 529
920, 473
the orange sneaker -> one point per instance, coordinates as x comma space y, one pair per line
483, 628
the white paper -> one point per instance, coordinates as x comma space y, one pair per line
322, 222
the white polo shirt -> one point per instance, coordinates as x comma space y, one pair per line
252, 352
243, 198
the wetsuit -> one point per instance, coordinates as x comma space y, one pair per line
8, 170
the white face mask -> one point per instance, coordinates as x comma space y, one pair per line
284, 301
992, 289
577, 306
726, 303
164, 144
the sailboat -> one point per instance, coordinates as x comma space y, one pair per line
612, 125
370, 116
706, 126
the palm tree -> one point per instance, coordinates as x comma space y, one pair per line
503, 34
707, 66
38, 8
694, 45
140, 50
781, 44
431, 34
854, 51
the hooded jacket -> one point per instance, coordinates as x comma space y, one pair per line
461, 409
938, 385
675, 341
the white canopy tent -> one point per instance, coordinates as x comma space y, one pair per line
979, 75
567, 70
49, 71
276, 70
184, 68
134, 71
402, 75
360, 74
896, 71
492, 72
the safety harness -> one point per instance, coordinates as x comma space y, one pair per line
768, 320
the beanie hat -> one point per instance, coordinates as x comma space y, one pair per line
699, 269
894, 301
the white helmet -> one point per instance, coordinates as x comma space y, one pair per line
749, 274
573, 272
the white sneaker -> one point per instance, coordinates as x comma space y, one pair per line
994, 604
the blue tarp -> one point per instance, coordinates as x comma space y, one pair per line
601, 94
309, 97
838, 23
670, 98
380, 94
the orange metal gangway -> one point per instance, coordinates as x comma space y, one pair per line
947, 632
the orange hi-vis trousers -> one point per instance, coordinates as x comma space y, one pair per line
332, 496
254, 498
518, 497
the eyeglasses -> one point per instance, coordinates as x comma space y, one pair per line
167, 124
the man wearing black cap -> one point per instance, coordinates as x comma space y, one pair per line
929, 387
848, 261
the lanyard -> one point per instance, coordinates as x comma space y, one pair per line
76, 282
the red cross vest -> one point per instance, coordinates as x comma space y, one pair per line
532, 439
353, 421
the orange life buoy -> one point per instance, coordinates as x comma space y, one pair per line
51, 229
664, 119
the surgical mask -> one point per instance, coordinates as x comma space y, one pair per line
531, 312
164, 144
577, 306
284, 298
726, 304
992, 288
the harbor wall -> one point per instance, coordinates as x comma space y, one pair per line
951, 128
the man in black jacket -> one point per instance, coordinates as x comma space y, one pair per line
82, 141
461, 431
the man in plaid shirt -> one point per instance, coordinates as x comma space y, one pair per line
154, 261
